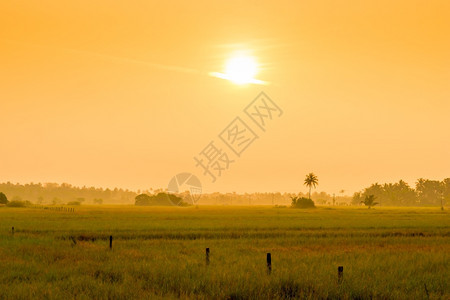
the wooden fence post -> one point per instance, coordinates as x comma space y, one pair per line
207, 256
110, 242
269, 263
340, 273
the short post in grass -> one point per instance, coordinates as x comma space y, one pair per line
269, 263
110, 242
207, 256
340, 274
12, 230
426, 291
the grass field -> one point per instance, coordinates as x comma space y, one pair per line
387, 253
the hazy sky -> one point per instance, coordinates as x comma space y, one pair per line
117, 93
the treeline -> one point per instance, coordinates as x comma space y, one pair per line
54, 193
425, 193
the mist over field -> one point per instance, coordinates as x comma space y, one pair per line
425, 193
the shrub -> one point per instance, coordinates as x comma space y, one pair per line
302, 202
161, 199
74, 203
16, 203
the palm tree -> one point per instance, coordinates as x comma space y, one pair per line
311, 180
369, 201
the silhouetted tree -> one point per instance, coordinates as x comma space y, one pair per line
369, 201
3, 199
161, 199
143, 199
398, 194
302, 202
445, 192
357, 198
429, 192
311, 180
376, 190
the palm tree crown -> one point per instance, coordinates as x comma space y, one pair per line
369, 201
311, 180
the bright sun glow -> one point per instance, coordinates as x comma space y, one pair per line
240, 69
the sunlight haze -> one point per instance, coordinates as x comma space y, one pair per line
120, 94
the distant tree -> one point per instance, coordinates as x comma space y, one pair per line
161, 199
56, 201
369, 201
342, 192
74, 203
3, 199
16, 203
398, 194
97, 201
445, 192
376, 190
168, 199
357, 198
311, 180
429, 192
302, 202
40, 200
321, 201
142, 199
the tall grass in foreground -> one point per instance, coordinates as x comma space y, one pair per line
160, 253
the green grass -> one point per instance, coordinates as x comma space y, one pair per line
387, 253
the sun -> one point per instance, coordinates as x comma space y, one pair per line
241, 69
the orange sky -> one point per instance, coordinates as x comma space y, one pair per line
110, 93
